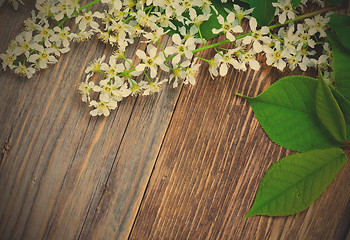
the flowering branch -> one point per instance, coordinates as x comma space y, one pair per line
41, 43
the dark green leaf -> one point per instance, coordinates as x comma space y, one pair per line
344, 105
293, 183
296, 3
208, 26
341, 24
328, 111
263, 11
336, 2
341, 60
286, 111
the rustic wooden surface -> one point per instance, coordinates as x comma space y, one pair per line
181, 164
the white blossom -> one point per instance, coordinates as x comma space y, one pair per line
257, 36
275, 56
85, 89
249, 58
43, 57
191, 73
95, 65
153, 87
87, 19
317, 24
181, 48
240, 12
102, 107
151, 61
284, 9
229, 26
61, 36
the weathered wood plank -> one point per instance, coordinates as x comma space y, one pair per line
66, 175
208, 170
118, 205
61, 162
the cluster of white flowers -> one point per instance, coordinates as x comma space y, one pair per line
291, 45
40, 44
120, 25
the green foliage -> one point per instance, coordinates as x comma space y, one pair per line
341, 60
296, 181
336, 2
344, 105
208, 26
286, 111
341, 24
328, 111
263, 11
296, 3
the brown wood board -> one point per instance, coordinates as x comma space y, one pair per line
181, 164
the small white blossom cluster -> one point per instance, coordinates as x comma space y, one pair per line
289, 45
121, 24
120, 78
40, 44
292, 46
126, 20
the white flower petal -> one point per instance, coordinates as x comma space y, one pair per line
141, 54
140, 67
230, 17
221, 19
247, 40
230, 37
177, 39
152, 51
223, 69
237, 29
254, 64
257, 47
153, 71
282, 18
216, 31
264, 30
253, 24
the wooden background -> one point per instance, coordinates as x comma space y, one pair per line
181, 164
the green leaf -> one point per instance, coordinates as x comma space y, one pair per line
344, 105
328, 111
293, 183
263, 11
341, 59
295, 3
341, 24
286, 111
207, 26
336, 2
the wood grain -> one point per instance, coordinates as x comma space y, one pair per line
57, 172
181, 164
208, 171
